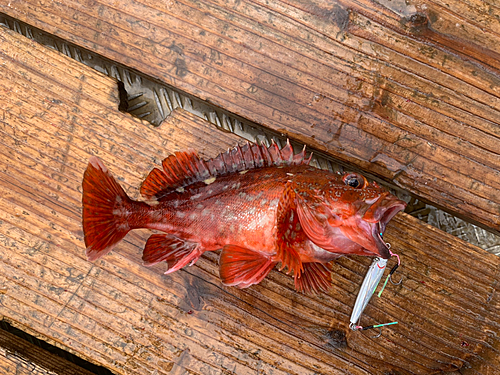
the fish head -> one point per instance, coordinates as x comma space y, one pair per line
350, 215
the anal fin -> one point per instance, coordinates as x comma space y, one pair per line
315, 277
173, 250
243, 267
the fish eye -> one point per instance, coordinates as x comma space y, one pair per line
354, 180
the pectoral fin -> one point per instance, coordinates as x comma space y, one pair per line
315, 278
243, 267
317, 221
289, 233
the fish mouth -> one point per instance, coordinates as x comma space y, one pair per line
385, 214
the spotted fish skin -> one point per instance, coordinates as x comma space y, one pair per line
261, 206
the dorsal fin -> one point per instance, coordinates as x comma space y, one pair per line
185, 168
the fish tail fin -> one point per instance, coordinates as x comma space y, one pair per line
106, 209
243, 267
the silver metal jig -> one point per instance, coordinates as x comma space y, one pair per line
367, 289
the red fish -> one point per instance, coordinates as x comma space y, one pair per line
262, 206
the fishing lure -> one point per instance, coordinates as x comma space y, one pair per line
370, 283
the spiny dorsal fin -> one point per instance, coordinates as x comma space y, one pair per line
185, 168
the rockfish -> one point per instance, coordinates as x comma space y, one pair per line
261, 206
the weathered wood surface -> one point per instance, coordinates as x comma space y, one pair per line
19, 357
55, 113
408, 91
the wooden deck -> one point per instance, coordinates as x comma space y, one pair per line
55, 113
409, 93
18, 356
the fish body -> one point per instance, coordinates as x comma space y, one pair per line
261, 206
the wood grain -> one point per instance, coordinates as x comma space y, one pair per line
55, 114
408, 92
18, 356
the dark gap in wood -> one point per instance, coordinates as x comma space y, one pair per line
122, 94
25, 351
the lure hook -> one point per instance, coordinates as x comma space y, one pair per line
393, 283
355, 327
393, 269
379, 334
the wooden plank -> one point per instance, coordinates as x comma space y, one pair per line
407, 92
18, 356
469, 27
135, 320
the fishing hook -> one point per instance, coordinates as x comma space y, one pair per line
379, 334
393, 283
395, 267
355, 327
